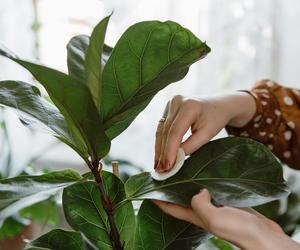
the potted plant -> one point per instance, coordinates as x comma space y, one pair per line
103, 92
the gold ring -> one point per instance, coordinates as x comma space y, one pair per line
163, 119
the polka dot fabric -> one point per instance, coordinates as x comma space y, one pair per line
276, 122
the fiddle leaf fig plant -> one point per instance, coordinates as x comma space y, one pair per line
103, 92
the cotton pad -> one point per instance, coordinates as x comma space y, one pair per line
177, 166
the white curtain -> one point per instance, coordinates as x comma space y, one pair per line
250, 40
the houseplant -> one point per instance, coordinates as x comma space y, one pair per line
28, 219
105, 89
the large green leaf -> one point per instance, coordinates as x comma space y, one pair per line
148, 56
156, 230
36, 112
237, 171
57, 239
74, 101
22, 191
93, 63
85, 213
77, 48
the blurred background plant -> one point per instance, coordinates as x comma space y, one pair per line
251, 39
34, 219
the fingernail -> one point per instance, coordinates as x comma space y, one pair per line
159, 168
162, 164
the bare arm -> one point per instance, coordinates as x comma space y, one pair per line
245, 228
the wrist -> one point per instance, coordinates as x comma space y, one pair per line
241, 108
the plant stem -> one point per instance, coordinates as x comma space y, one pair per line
107, 205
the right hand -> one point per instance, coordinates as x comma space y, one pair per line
244, 227
204, 116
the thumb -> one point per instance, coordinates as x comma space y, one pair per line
201, 200
202, 206
195, 141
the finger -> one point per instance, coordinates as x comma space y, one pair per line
173, 110
195, 141
202, 200
205, 210
201, 134
164, 127
179, 127
158, 136
179, 212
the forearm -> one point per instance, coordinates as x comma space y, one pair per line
241, 107
257, 235
270, 240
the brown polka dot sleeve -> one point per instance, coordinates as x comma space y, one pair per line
276, 122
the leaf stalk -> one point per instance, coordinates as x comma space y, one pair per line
96, 167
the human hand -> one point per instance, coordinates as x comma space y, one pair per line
204, 116
245, 228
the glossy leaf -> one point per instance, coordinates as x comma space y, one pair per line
238, 172
157, 230
85, 213
148, 56
35, 111
22, 191
93, 63
57, 239
77, 48
74, 101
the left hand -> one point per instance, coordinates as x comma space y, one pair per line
245, 228
205, 117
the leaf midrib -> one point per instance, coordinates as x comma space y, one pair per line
146, 83
275, 184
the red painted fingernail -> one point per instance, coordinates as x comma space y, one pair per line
159, 168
